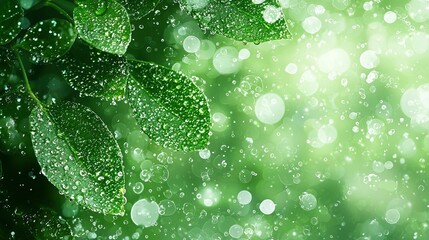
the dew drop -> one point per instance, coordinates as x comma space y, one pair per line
269, 108
145, 213
267, 206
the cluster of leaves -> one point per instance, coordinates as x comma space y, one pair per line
75, 149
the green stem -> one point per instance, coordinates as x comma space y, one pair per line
59, 9
26, 82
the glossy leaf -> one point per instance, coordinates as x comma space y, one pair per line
168, 106
79, 155
49, 39
104, 24
139, 8
10, 20
95, 73
240, 20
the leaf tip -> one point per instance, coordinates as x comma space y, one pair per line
117, 211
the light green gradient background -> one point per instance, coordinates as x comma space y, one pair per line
275, 161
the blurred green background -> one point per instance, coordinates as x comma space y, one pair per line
324, 136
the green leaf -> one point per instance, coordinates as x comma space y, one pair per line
49, 39
10, 20
34, 223
47, 224
139, 8
168, 106
104, 24
240, 20
79, 155
95, 73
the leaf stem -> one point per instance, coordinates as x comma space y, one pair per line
26, 82
59, 9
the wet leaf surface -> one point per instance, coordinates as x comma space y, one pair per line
168, 106
49, 39
139, 8
10, 20
104, 24
47, 224
90, 72
39, 224
240, 20
79, 155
